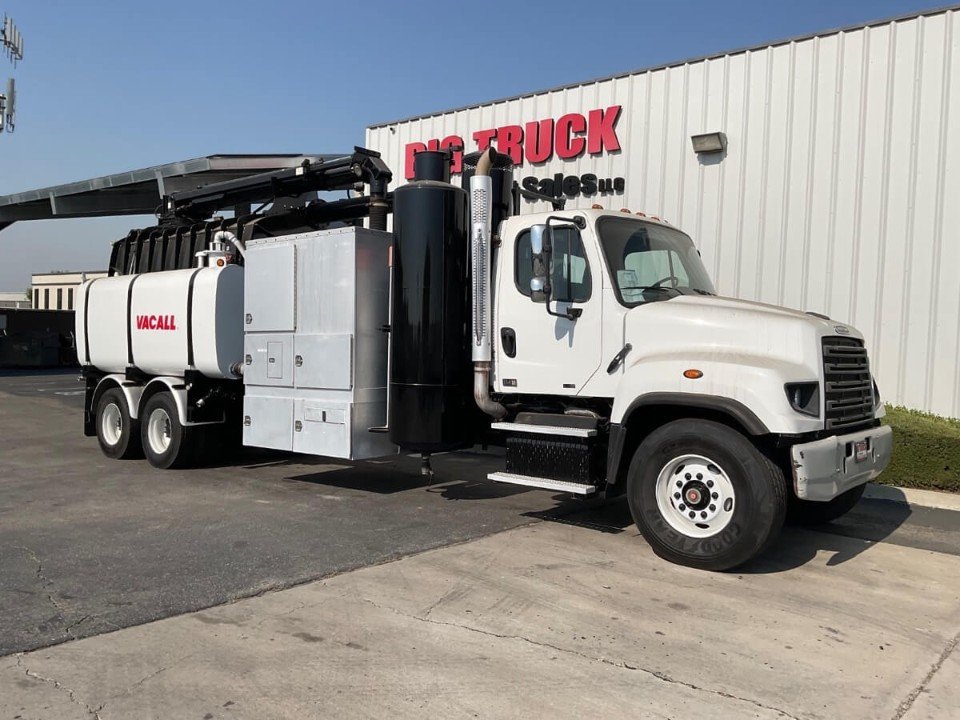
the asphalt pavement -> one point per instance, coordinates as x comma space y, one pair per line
89, 544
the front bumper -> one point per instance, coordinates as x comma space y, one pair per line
826, 468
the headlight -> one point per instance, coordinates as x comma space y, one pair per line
804, 397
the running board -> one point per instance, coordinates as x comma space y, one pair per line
564, 431
545, 483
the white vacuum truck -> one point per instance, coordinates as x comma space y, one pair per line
591, 343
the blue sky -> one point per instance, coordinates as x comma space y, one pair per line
108, 86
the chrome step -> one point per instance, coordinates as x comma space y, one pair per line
545, 483
543, 429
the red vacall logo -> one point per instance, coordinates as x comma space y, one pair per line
156, 322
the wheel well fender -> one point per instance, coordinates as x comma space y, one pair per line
131, 393
648, 412
175, 387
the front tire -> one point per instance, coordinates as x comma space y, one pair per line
704, 496
166, 442
117, 433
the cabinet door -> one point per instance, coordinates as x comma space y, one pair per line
322, 427
323, 361
268, 360
269, 289
268, 422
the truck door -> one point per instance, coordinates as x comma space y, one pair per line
537, 352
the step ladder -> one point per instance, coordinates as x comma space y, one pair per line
558, 441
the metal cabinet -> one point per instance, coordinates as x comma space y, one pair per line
315, 357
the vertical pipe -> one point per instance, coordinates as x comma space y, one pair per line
480, 208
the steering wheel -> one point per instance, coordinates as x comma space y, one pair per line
674, 278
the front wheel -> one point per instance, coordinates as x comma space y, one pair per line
704, 496
166, 442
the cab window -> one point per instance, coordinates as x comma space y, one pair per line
569, 273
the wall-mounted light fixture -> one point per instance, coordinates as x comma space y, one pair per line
709, 143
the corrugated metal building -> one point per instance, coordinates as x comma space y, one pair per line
838, 191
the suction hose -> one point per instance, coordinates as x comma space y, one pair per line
480, 254
225, 236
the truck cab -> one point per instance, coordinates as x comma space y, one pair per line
707, 411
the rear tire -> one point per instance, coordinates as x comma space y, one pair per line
166, 442
117, 433
807, 512
736, 495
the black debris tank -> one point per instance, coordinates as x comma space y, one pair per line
430, 369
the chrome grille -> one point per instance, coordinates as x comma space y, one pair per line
848, 385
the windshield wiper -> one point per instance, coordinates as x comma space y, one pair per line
661, 288
703, 292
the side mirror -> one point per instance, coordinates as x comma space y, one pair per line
541, 254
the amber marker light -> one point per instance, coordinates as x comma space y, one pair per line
692, 374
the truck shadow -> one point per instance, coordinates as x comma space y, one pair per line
870, 522
457, 476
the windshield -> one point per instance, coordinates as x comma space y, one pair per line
650, 262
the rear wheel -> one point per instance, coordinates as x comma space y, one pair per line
704, 496
166, 442
117, 433
806, 512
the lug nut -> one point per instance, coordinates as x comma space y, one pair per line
713, 508
709, 483
679, 483
699, 476
688, 476
714, 496
677, 495
703, 515
692, 514
682, 507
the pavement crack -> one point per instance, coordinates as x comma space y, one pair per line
91, 711
46, 583
149, 676
659, 675
904, 707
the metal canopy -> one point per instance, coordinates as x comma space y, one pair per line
139, 192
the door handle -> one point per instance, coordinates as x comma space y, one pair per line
508, 341
618, 358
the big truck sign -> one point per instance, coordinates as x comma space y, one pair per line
568, 137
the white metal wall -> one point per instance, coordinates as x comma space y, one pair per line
839, 192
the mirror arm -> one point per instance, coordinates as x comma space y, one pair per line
558, 203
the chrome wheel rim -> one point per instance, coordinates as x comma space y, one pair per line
695, 496
159, 431
111, 424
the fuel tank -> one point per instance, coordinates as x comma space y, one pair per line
162, 323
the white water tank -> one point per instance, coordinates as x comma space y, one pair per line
163, 322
